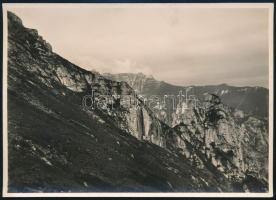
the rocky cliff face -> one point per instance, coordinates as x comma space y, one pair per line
234, 143
74, 130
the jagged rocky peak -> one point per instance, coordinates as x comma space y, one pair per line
14, 19
34, 41
136, 80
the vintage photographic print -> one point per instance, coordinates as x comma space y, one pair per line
137, 100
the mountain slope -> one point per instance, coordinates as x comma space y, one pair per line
55, 145
58, 142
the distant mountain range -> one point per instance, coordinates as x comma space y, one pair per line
252, 100
71, 130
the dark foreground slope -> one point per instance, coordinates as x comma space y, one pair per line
57, 144
54, 146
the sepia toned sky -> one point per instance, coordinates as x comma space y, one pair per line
179, 45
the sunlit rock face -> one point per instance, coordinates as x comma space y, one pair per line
234, 145
80, 128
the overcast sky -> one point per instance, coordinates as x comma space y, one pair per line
182, 46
